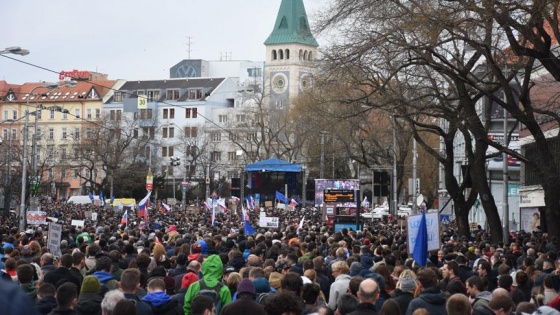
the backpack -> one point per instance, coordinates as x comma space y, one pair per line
212, 292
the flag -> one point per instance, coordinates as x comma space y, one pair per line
124, 219
281, 197
120, 206
205, 204
164, 208
248, 203
222, 204
365, 203
235, 199
293, 203
252, 202
143, 206
91, 196
247, 227
213, 216
420, 254
102, 198
300, 225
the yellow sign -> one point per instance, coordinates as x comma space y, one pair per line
142, 102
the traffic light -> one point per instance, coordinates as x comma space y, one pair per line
174, 161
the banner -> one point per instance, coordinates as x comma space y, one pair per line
77, 223
432, 225
268, 222
54, 236
36, 217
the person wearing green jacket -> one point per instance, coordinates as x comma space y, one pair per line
212, 272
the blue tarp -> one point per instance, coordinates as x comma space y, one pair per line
273, 165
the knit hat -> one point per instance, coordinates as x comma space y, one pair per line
188, 279
408, 284
90, 284
261, 285
246, 286
355, 269
196, 249
275, 280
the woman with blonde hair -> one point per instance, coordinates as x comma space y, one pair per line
232, 282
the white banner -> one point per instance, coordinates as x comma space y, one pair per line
36, 217
432, 223
268, 222
77, 223
94, 216
54, 235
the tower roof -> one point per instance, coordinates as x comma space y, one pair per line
291, 25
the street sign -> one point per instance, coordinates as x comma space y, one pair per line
184, 186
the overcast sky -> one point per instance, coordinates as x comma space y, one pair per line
132, 39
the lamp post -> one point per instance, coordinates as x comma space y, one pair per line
16, 50
7, 186
174, 162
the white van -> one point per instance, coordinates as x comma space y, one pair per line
82, 199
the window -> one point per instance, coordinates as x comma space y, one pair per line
64, 133
51, 113
76, 173
240, 118
141, 92
233, 137
115, 114
254, 72
51, 134
191, 113
192, 150
251, 136
168, 113
148, 132
39, 114
216, 156
153, 95
97, 113
231, 156
76, 133
194, 94
172, 95
50, 151
167, 151
89, 133
6, 115
63, 154
15, 133
88, 113
64, 115
62, 174
14, 115
118, 96
77, 113
222, 118
216, 137
5, 134
145, 114
191, 132
168, 132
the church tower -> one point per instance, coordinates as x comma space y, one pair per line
290, 53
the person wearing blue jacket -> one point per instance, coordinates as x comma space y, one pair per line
159, 301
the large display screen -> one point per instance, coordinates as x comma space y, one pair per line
322, 184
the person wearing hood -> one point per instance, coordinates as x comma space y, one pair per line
431, 297
46, 300
159, 301
188, 279
103, 266
212, 270
475, 290
245, 303
89, 302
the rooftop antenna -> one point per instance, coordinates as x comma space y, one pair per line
189, 44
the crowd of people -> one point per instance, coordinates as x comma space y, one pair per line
178, 262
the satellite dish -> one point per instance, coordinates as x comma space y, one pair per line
419, 200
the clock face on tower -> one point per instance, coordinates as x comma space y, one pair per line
279, 83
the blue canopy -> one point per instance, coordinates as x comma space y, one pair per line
273, 165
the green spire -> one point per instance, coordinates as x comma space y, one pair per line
291, 25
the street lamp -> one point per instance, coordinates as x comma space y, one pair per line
22, 213
16, 50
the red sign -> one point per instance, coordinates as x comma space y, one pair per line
74, 74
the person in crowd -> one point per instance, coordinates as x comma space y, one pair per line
62, 274
458, 304
340, 272
110, 301
46, 300
430, 297
499, 305
125, 307
130, 286
368, 293
89, 302
25, 274
283, 303
476, 291
245, 303
406, 286
347, 303
203, 305
159, 301
66, 300
451, 282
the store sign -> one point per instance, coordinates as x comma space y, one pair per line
74, 75
531, 199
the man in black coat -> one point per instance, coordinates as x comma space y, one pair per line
62, 274
368, 295
245, 303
